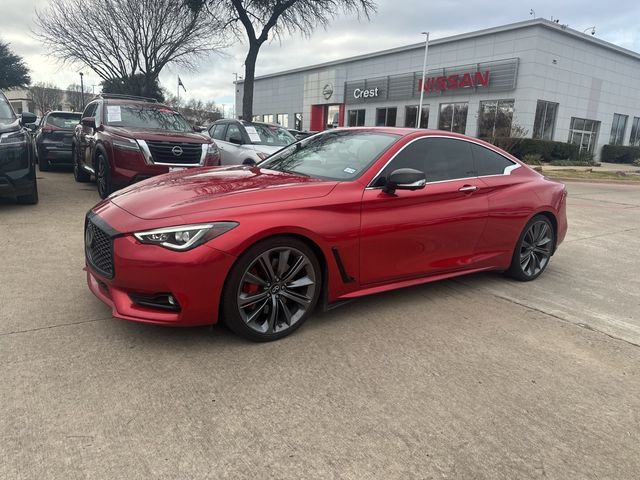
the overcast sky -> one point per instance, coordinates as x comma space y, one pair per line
398, 22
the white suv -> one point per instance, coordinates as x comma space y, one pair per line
243, 142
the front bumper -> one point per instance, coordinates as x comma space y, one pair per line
195, 278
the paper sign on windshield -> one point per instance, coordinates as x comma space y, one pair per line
114, 114
253, 134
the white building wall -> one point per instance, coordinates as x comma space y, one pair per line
588, 79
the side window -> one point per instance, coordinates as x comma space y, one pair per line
439, 158
233, 131
217, 132
489, 162
98, 114
90, 110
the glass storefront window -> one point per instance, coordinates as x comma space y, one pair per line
634, 140
618, 128
356, 118
268, 118
283, 120
584, 133
545, 121
453, 117
297, 121
411, 116
495, 118
386, 117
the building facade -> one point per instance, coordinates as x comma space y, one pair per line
535, 79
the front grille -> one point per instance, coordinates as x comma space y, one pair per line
98, 247
165, 152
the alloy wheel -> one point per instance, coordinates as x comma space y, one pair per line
535, 249
276, 290
101, 177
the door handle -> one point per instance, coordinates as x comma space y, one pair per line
468, 188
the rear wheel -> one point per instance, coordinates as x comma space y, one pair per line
79, 173
30, 198
272, 289
534, 249
103, 176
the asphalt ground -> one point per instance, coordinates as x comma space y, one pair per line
479, 377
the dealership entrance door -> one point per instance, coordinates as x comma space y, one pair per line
327, 116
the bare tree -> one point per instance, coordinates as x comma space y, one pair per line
74, 97
257, 20
121, 40
46, 96
199, 113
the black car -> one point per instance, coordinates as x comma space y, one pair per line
55, 138
17, 156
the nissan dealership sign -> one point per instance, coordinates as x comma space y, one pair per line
452, 82
487, 77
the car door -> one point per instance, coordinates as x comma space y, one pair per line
231, 153
87, 135
434, 230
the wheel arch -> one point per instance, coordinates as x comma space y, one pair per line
315, 248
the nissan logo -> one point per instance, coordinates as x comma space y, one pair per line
327, 91
177, 151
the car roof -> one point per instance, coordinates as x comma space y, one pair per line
62, 111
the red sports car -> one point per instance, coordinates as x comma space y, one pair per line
339, 215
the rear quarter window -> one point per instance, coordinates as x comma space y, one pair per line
489, 162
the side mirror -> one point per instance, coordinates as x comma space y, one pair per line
405, 179
27, 118
89, 122
32, 127
236, 140
199, 129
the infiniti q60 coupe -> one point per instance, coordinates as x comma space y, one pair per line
339, 215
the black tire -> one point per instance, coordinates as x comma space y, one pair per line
103, 176
533, 250
30, 198
272, 310
79, 173
43, 164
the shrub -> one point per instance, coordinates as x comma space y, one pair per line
619, 154
532, 159
547, 149
571, 163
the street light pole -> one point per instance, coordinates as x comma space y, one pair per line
82, 90
424, 73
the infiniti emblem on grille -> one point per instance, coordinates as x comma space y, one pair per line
177, 151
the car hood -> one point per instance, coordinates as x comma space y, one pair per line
10, 127
203, 189
160, 135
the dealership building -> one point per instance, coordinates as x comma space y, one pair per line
535, 78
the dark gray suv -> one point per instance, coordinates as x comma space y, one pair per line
17, 156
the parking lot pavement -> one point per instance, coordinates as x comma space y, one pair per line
479, 377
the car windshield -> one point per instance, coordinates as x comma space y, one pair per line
64, 120
334, 155
6, 113
147, 117
261, 134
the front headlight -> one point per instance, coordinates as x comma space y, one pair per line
184, 237
212, 149
126, 144
13, 138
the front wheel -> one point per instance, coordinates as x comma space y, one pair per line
272, 289
534, 249
103, 176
